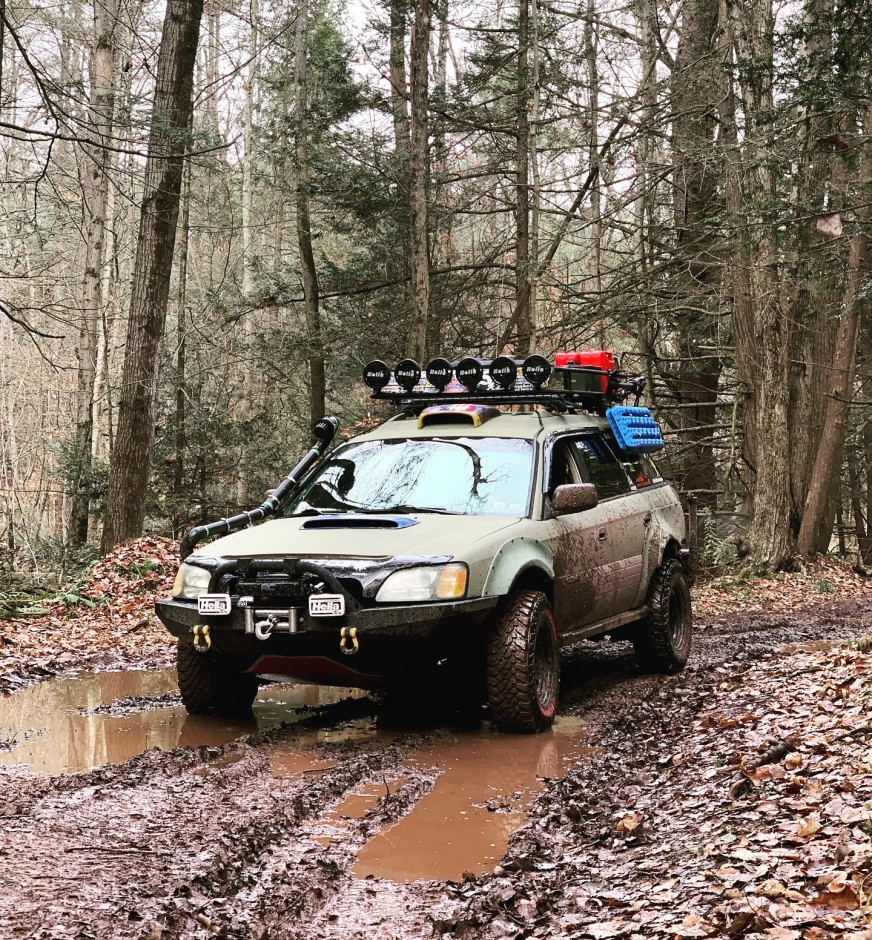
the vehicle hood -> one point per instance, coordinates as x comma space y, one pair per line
417, 534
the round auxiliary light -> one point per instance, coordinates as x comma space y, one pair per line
439, 372
469, 372
536, 370
407, 373
376, 374
503, 371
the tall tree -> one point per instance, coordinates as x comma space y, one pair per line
522, 181
168, 138
698, 211
95, 165
419, 172
311, 288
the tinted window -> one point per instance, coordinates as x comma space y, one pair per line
469, 475
562, 466
641, 470
601, 466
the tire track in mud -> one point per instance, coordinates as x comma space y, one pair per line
211, 841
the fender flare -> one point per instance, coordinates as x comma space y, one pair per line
513, 558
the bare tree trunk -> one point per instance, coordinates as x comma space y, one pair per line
418, 177
591, 61
696, 206
247, 407
737, 262
817, 517
771, 534
95, 192
399, 94
522, 182
128, 479
318, 391
537, 180
181, 431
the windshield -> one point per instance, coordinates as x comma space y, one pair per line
465, 475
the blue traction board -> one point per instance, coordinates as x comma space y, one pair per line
635, 429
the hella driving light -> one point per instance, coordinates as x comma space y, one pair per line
430, 583
469, 372
191, 582
503, 371
408, 374
439, 372
536, 370
376, 374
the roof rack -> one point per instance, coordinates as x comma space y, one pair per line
588, 381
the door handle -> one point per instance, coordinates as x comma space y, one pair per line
601, 535
647, 518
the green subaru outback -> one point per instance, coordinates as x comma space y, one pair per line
502, 513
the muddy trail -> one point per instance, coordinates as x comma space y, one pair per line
325, 817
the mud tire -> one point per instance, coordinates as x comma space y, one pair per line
663, 639
523, 665
210, 685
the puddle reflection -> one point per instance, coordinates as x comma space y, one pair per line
53, 736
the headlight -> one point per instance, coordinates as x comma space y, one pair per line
431, 583
191, 582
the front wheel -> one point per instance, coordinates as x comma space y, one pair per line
663, 639
523, 665
210, 685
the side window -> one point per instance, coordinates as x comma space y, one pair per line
601, 466
641, 470
563, 468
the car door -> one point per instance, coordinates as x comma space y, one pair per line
581, 559
624, 520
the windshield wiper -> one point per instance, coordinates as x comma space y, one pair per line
404, 507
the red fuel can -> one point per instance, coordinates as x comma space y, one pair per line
590, 359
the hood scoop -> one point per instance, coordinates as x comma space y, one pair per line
353, 520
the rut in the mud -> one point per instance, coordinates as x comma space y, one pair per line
272, 834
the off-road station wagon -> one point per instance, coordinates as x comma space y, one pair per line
506, 510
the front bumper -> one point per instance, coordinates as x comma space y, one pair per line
418, 621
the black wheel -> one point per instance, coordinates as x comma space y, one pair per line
210, 685
663, 639
523, 665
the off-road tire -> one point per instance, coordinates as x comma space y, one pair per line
523, 664
663, 639
210, 685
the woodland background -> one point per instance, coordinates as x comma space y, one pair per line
211, 216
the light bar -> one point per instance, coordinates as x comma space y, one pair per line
376, 374
588, 379
536, 370
439, 372
469, 372
504, 371
407, 373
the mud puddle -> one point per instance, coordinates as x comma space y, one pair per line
484, 785
73, 725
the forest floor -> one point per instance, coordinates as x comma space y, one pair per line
731, 800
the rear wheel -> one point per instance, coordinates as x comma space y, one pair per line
663, 639
523, 665
210, 685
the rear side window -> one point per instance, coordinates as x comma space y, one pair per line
641, 470
601, 466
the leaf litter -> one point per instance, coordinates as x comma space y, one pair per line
733, 800
108, 623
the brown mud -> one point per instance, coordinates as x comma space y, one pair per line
124, 818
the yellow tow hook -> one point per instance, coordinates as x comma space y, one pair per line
346, 634
202, 640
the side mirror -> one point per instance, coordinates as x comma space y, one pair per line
573, 497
